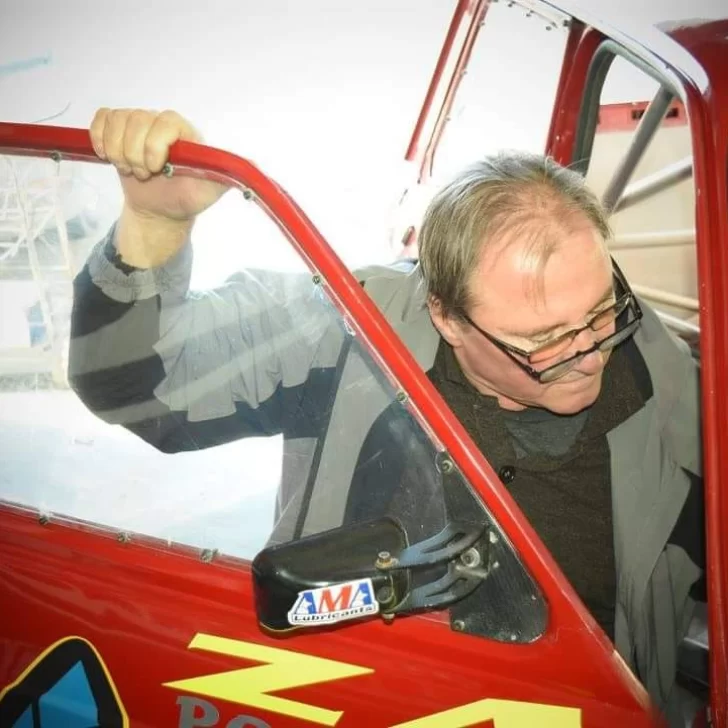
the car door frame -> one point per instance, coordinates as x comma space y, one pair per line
573, 665
705, 97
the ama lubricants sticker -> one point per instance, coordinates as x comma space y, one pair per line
336, 603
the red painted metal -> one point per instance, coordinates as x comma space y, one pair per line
109, 591
479, 10
463, 7
578, 52
708, 114
140, 607
626, 116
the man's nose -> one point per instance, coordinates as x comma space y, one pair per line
584, 340
592, 363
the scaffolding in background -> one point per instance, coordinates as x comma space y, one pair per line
39, 214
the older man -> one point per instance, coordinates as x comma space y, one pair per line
585, 405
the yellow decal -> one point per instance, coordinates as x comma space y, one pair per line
503, 713
287, 669
251, 685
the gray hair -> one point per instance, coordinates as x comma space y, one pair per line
526, 196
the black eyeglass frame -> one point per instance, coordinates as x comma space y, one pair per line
627, 301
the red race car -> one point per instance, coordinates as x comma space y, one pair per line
140, 588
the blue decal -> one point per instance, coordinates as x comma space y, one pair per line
25, 720
69, 702
67, 686
336, 603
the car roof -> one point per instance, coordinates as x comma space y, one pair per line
628, 14
690, 37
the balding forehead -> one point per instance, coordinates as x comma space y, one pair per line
519, 261
525, 248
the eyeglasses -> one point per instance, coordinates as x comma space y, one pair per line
626, 303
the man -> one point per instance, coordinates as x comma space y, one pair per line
584, 404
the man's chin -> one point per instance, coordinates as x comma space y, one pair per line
575, 397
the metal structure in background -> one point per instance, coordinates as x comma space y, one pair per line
35, 257
34, 250
49, 218
648, 126
661, 180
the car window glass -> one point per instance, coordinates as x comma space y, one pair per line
63, 461
242, 411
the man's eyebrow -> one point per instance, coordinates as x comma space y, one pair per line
534, 333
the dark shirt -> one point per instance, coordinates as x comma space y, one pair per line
535, 430
557, 468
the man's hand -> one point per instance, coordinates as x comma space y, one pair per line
158, 212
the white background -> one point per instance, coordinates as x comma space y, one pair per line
323, 95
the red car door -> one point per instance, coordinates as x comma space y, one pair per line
126, 586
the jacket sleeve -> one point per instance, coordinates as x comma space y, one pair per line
684, 436
186, 370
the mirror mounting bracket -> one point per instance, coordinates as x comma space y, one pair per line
460, 546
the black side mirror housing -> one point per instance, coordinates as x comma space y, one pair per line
365, 569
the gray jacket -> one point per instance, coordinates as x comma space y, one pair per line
263, 330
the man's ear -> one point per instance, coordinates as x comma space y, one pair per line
449, 327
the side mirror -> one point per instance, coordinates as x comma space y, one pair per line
363, 569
